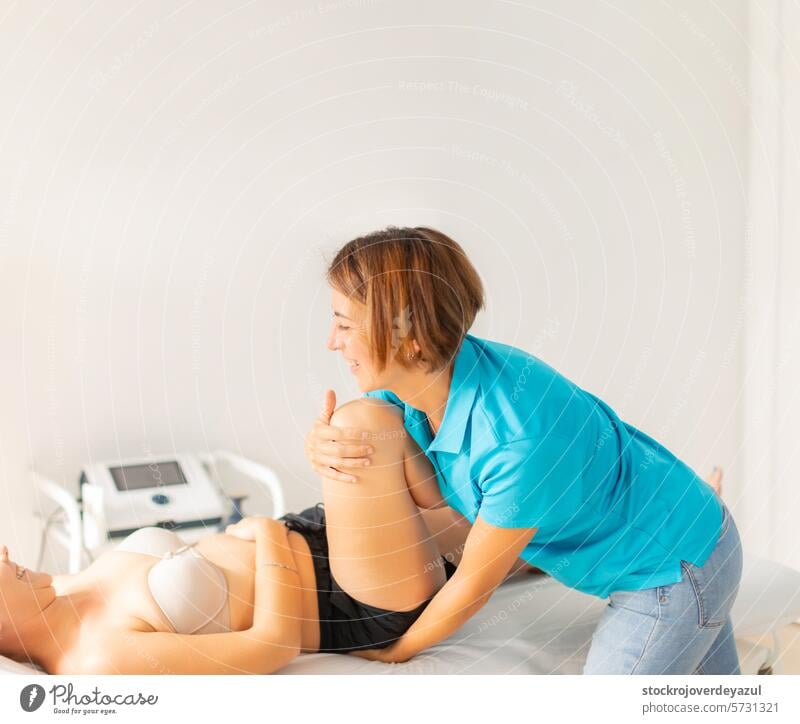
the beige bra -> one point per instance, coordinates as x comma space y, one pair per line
191, 591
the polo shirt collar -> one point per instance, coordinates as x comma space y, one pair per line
463, 390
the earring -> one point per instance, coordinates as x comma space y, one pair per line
411, 355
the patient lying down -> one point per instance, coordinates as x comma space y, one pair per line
352, 575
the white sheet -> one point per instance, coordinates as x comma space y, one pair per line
538, 626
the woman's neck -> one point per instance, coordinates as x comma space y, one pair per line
426, 392
51, 635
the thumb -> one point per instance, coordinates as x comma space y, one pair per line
329, 406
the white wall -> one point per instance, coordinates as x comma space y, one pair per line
771, 431
171, 174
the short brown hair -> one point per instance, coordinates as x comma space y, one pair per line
415, 282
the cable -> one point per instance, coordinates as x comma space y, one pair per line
45, 530
50, 520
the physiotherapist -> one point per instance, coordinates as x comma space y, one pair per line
543, 469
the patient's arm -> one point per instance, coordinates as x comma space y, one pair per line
236, 652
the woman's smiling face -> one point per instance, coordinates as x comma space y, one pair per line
348, 335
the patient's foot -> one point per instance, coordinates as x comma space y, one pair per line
715, 480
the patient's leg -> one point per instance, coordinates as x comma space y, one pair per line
450, 530
381, 552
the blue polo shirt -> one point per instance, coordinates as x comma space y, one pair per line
522, 446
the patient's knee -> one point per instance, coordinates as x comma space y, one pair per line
385, 475
380, 420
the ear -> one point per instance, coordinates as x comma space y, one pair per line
417, 348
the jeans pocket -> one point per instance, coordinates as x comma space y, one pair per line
716, 583
703, 596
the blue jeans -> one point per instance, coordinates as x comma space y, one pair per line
682, 628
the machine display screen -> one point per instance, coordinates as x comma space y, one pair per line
154, 475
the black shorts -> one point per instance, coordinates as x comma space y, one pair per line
344, 623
